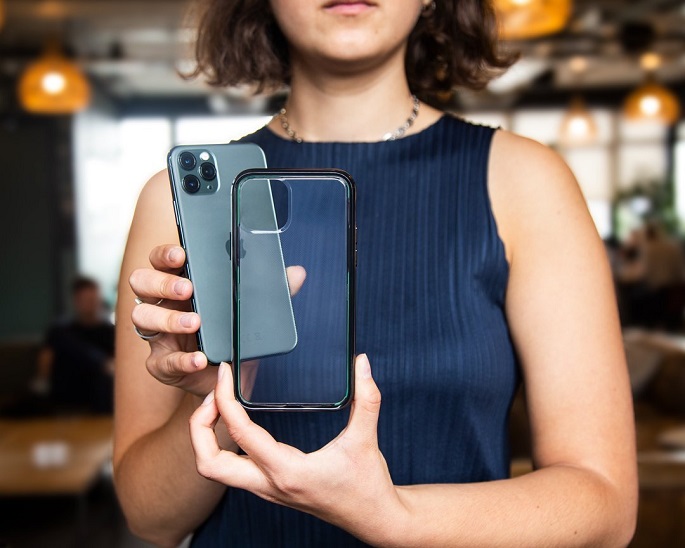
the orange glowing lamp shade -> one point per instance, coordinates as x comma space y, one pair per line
53, 85
523, 19
652, 101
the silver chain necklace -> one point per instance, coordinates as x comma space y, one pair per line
390, 136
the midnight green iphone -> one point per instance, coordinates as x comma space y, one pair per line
201, 177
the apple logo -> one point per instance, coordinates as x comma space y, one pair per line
229, 250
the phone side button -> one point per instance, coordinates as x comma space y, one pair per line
356, 232
176, 213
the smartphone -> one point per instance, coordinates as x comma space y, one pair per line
201, 177
313, 226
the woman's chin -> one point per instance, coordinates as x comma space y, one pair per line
349, 64
350, 53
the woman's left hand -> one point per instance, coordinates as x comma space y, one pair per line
346, 482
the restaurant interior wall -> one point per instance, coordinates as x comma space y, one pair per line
36, 224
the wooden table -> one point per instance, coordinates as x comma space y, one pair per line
89, 442
668, 342
673, 438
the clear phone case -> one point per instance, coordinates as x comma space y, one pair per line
304, 361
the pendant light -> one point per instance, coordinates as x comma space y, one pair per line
523, 19
578, 127
652, 101
53, 85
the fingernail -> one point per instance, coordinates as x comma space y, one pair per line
209, 399
186, 320
181, 286
222, 370
196, 360
176, 254
365, 366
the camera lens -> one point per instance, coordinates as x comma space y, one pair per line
187, 160
208, 171
191, 184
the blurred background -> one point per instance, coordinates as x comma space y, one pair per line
90, 103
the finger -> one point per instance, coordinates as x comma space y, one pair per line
168, 258
157, 319
202, 435
147, 283
296, 276
250, 437
214, 463
164, 364
363, 423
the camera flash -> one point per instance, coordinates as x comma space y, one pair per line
204, 156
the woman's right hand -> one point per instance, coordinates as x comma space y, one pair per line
174, 358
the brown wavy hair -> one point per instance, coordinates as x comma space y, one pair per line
455, 46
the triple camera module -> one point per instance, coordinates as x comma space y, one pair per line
191, 182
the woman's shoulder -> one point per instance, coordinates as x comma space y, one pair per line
154, 213
156, 192
529, 184
526, 161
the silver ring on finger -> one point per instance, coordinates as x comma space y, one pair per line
141, 301
146, 336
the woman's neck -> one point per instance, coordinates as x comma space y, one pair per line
326, 106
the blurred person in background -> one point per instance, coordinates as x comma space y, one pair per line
663, 274
627, 270
652, 276
479, 267
76, 362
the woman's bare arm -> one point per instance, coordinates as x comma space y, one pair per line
161, 493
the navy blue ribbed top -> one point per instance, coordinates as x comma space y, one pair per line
432, 278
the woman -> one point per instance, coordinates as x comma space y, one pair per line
479, 266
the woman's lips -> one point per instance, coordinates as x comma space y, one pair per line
342, 7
